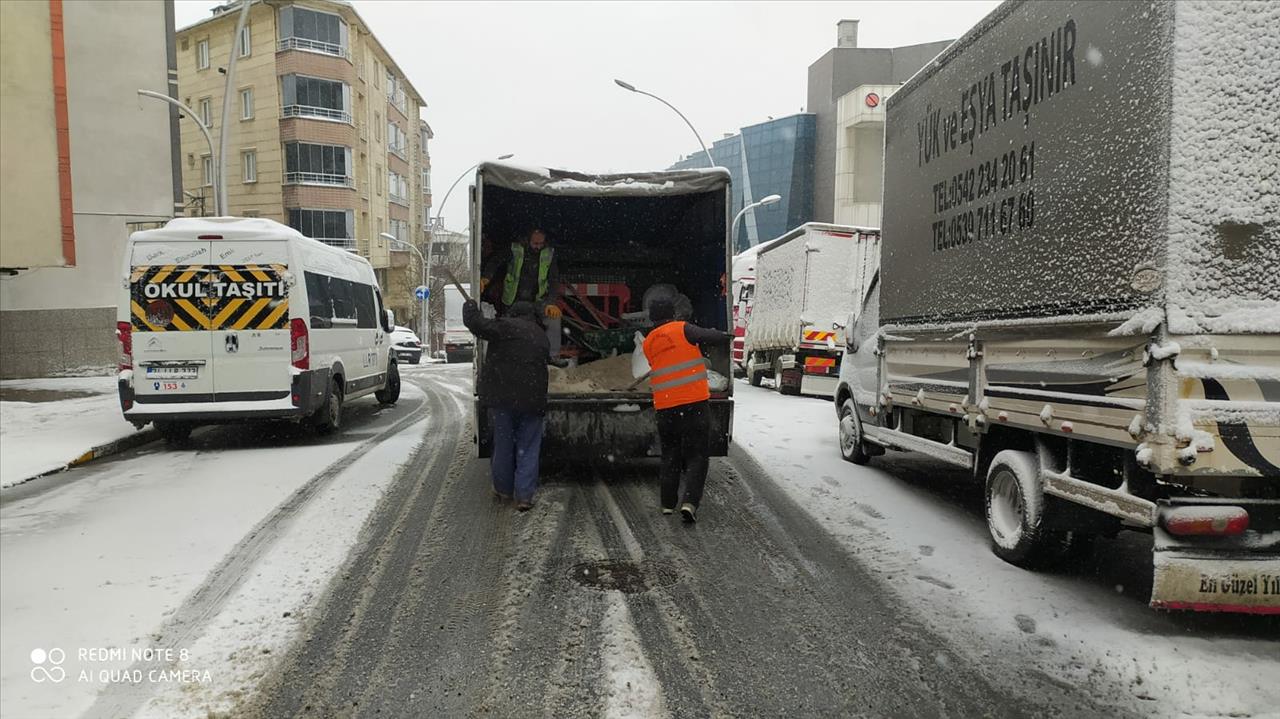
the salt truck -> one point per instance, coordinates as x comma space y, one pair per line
1079, 298
806, 282
619, 239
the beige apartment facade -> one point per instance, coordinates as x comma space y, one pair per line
86, 161
323, 129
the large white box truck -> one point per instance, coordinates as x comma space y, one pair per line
1079, 296
806, 282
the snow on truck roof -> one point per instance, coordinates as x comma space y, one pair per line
546, 181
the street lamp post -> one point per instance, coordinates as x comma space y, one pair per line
431, 236
733, 227
218, 209
628, 86
228, 86
422, 269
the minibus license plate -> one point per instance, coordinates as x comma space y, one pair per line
172, 372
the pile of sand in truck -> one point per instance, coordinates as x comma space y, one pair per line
611, 374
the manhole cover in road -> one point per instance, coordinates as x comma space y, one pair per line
623, 575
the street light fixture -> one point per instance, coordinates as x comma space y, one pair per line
422, 269
632, 88
431, 235
218, 208
733, 228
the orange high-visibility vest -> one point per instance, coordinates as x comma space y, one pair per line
677, 372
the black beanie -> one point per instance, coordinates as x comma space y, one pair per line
662, 309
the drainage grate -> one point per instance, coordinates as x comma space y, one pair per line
623, 575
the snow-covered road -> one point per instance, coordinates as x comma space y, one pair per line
919, 524
810, 586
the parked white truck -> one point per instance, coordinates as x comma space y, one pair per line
806, 282
1079, 296
459, 343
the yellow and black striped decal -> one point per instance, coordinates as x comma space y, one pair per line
167, 298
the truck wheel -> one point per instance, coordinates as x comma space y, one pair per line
851, 446
754, 376
329, 417
1016, 512
174, 434
778, 380
391, 391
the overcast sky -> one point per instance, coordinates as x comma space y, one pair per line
536, 78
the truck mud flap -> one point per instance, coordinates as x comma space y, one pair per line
1207, 581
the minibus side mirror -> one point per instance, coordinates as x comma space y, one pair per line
388, 320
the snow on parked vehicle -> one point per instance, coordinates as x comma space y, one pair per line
405, 345
1058, 291
228, 319
459, 343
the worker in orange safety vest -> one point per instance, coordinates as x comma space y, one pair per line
681, 394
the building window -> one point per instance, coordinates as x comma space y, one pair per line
206, 170
246, 41
399, 229
398, 188
206, 111
249, 165
246, 103
303, 29
334, 227
397, 141
311, 164
315, 97
426, 180
202, 55
380, 176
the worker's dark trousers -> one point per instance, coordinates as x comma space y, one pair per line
685, 433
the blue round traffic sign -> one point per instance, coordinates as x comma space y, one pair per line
422, 293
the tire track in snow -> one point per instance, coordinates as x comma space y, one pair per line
190, 619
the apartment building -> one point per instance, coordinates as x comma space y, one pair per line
325, 132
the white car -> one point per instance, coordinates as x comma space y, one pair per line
406, 345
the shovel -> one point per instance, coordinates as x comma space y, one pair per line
466, 297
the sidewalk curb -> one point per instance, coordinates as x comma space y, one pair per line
136, 439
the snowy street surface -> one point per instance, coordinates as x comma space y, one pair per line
270, 573
46, 423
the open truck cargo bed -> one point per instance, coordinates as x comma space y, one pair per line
631, 230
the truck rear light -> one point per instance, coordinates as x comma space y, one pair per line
1206, 521
124, 333
298, 344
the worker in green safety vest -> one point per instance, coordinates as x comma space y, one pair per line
531, 276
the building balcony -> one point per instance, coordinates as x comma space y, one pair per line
398, 199
398, 152
342, 243
311, 111
308, 45
318, 178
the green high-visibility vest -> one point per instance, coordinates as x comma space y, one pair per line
512, 283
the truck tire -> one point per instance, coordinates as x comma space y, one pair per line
754, 376
851, 445
174, 434
329, 416
778, 382
390, 392
1016, 506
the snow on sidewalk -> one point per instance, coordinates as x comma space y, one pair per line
43, 436
920, 525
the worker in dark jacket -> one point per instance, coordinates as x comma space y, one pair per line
514, 387
681, 400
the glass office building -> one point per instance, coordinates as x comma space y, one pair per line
771, 158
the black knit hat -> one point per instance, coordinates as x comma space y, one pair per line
662, 309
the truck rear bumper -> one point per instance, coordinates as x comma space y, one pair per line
819, 385
609, 428
1239, 573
